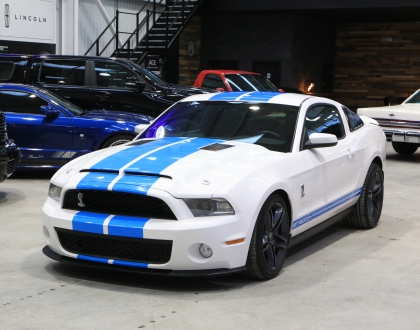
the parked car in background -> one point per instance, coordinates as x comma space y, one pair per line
219, 183
96, 82
234, 80
290, 90
9, 152
401, 123
51, 131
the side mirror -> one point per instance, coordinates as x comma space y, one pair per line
220, 89
320, 140
49, 111
140, 85
140, 128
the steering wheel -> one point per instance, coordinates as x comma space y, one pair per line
272, 133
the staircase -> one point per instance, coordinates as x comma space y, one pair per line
158, 28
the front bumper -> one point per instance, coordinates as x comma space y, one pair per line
186, 236
396, 135
9, 157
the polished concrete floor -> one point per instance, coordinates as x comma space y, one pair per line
340, 279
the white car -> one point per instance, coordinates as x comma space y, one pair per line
218, 183
401, 123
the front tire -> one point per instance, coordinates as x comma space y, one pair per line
405, 148
368, 208
117, 140
270, 240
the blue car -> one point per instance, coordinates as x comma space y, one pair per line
52, 131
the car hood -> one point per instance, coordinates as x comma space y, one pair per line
183, 167
117, 116
405, 111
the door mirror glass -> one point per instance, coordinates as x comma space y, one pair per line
321, 140
49, 111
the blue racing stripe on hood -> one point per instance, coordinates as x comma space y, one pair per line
245, 96
135, 184
89, 222
97, 181
127, 226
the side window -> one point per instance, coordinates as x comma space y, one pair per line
355, 122
324, 119
213, 81
20, 102
6, 70
63, 72
112, 75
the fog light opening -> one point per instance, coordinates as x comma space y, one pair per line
205, 251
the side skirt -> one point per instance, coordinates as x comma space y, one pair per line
320, 227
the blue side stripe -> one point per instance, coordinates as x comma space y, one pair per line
127, 226
251, 97
114, 262
326, 208
89, 222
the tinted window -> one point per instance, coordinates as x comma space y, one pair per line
112, 75
213, 81
20, 102
269, 125
6, 70
324, 119
353, 119
249, 82
63, 72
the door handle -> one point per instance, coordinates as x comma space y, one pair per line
350, 153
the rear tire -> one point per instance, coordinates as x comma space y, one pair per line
269, 241
368, 208
117, 140
405, 148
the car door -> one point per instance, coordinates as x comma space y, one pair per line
110, 91
43, 139
332, 171
68, 79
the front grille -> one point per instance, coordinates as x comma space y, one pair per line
10, 166
115, 247
216, 147
119, 203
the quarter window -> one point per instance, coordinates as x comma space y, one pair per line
63, 72
213, 81
20, 102
324, 119
113, 75
355, 122
6, 70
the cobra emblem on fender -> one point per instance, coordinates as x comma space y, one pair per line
80, 196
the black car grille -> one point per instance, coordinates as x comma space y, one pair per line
118, 203
2, 127
11, 166
115, 247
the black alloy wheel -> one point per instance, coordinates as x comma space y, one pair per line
368, 208
270, 239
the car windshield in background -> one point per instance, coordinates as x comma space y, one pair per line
74, 109
150, 76
249, 82
269, 125
415, 98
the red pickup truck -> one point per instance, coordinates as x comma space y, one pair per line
234, 81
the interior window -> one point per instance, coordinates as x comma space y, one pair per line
213, 81
324, 119
113, 75
20, 102
355, 122
63, 72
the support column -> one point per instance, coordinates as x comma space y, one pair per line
70, 27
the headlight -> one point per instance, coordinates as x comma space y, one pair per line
55, 192
204, 207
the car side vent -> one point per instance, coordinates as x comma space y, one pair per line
216, 147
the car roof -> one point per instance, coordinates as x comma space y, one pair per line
229, 71
19, 87
258, 97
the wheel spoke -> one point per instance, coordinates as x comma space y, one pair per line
278, 218
269, 256
265, 242
273, 251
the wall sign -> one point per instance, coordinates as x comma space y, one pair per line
152, 63
191, 48
28, 20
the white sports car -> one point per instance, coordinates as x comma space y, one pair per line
218, 183
401, 123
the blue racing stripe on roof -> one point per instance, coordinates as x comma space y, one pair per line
127, 226
89, 222
245, 96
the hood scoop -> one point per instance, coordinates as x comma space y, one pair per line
216, 147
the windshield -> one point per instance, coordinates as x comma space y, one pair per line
415, 98
250, 82
269, 125
149, 76
74, 109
